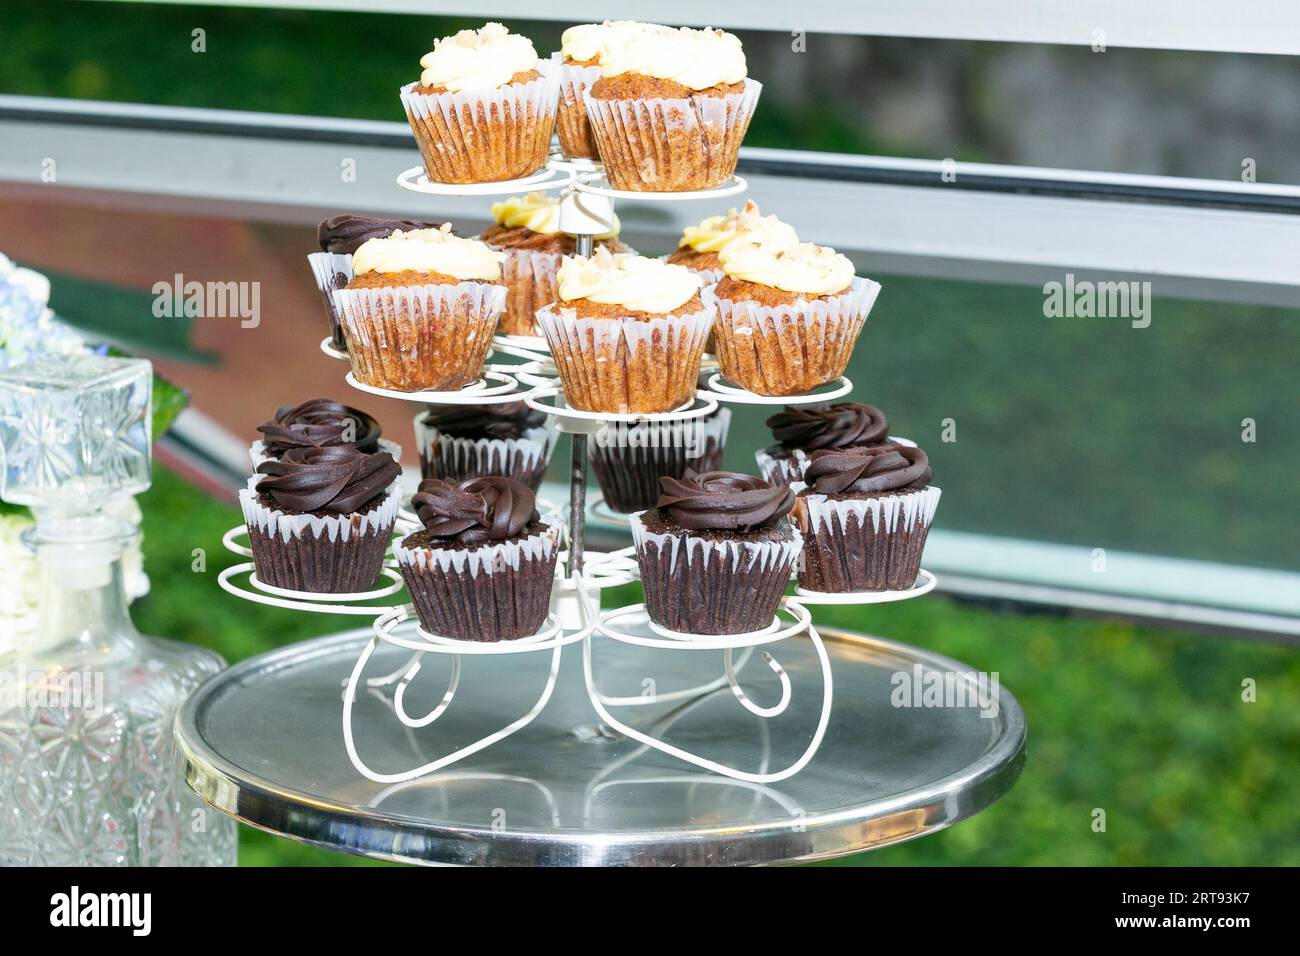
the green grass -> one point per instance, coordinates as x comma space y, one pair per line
1148, 725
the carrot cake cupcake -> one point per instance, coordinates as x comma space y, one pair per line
670, 110
527, 230
579, 67
788, 318
701, 246
420, 310
339, 237
483, 108
627, 332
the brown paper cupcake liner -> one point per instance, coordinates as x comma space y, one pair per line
456, 459
703, 586
671, 145
629, 460
864, 544
412, 338
627, 365
790, 350
496, 592
484, 137
339, 554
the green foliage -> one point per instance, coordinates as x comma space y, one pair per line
1148, 725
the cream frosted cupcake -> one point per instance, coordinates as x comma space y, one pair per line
670, 110
420, 310
627, 332
579, 67
701, 247
527, 230
788, 318
483, 108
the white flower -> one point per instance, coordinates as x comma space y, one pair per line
19, 584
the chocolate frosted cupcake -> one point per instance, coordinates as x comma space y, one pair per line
864, 516
629, 459
510, 440
339, 238
701, 247
320, 518
527, 230
420, 310
319, 423
483, 565
483, 108
670, 110
578, 61
801, 431
716, 553
788, 318
627, 333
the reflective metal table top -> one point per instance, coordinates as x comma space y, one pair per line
263, 742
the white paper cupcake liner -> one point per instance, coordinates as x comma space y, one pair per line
702, 586
481, 137
257, 451
791, 349
456, 459
485, 559
628, 459
411, 338
864, 544
671, 145
571, 123
276, 523
326, 269
627, 364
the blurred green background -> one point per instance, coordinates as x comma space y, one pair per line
1088, 433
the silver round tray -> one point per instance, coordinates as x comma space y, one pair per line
263, 743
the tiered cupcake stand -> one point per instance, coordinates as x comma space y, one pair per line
577, 615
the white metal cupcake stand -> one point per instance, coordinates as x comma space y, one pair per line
586, 210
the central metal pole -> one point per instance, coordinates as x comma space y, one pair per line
577, 502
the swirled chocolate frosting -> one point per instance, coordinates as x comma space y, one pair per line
319, 422
723, 501
868, 471
504, 421
336, 479
842, 425
475, 510
346, 233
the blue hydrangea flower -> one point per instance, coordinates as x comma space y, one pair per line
27, 324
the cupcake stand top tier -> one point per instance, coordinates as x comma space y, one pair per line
567, 782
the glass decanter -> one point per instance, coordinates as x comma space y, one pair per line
89, 774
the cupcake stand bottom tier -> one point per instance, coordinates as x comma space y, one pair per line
262, 742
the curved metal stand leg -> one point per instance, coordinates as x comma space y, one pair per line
349, 698
710, 765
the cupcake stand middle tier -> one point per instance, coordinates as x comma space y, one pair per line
576, 616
